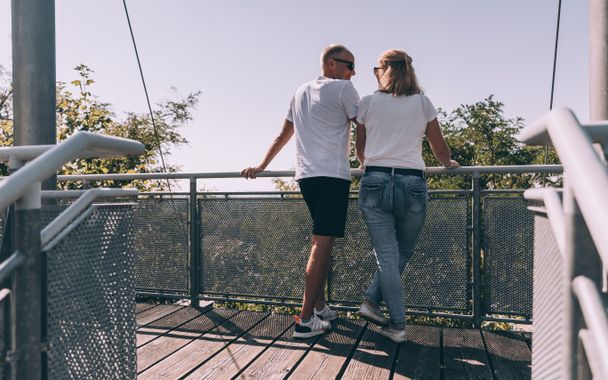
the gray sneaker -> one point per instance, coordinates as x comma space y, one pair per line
396, 335
326, 313
372, 314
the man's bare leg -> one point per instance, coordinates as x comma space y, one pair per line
316, 273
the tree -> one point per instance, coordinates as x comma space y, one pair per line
79, 109
480, 135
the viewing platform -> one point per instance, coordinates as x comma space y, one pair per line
181, 342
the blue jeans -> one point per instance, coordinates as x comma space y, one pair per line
394, 208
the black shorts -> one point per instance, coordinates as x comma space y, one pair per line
327, 201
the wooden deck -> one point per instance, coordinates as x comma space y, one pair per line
180, 342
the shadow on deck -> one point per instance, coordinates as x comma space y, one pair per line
178, 342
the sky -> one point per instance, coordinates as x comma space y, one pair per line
248, 57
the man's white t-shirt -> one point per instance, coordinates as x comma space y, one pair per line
321, 111
395, 127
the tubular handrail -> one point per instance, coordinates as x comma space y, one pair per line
8, 266
87, 197
555, 214
590, 302
587, 174
47, 163
465, 170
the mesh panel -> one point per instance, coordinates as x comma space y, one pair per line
508, 249
91, 301
436, 277
254, 247
160, 241
550, 292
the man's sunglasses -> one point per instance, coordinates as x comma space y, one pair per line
349, 64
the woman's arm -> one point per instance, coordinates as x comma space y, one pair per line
440, 148
360, 143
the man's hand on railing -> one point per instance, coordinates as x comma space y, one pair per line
251, 171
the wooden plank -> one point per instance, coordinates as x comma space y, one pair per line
155, 313
196, 353
373, 358
327, 356
464, 355
509, 355
165, 324
240, 353
420, 356
279, 358
160, 348
142, 306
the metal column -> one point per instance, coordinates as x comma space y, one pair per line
34, 104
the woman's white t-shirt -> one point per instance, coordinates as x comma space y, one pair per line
395, 127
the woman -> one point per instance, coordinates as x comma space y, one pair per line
391, 124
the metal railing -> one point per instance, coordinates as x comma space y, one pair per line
24, 261
577, 332
200, 244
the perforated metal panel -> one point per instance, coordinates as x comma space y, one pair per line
508, 254
161, 243
254, 247
91, 299
550, 290
436, 277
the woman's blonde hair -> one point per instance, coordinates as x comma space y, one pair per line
398, 77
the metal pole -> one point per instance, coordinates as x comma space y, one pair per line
195, 256
477, 309
598, 60
34, 96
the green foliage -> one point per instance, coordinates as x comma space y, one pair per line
79, 109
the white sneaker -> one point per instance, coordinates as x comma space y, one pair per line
372, 313
326, 313
396, 335
313, 327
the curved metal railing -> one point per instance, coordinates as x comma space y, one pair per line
585, 328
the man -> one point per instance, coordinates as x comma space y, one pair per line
320, 115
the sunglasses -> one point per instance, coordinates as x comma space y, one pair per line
350, 65
376, 69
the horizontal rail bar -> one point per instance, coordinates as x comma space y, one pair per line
594, 313
47, 164
8, 266
587, 174
553, 206
87, 197
465, 170
112, 193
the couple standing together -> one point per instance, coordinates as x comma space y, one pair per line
391, 124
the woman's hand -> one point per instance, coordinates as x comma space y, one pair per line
452, 165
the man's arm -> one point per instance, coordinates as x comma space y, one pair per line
440, 148
274, 149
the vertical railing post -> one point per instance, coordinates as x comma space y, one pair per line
26, 297
476, 247
195, 257
581, 259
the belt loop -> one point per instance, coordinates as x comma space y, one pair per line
424, 175
392, 172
